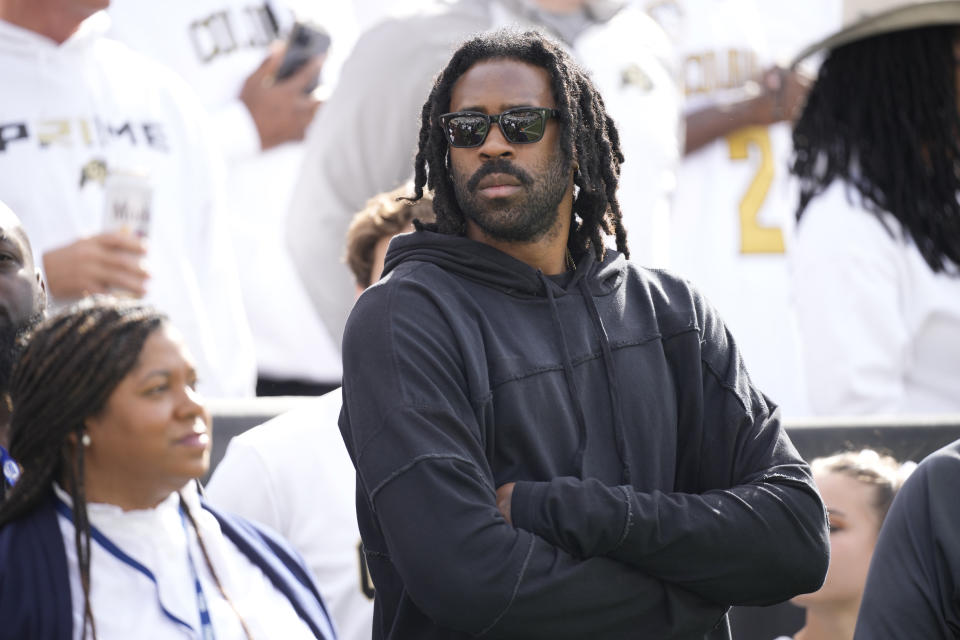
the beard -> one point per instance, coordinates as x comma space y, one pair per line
525, 217
11, 346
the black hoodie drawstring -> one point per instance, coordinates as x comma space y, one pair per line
568, 374
618, 426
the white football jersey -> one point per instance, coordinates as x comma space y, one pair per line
735, 200
630, 61
214, 45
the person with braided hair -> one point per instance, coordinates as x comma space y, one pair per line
550, 440
876, 258
105, 534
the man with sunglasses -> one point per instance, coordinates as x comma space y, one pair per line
550, 441
364, 138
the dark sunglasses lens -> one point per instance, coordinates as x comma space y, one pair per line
522, 126
467, 130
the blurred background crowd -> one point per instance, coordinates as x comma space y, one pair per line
155, 150
183, 153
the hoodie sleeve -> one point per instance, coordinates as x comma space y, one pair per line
746, 525
913, 588
410, 423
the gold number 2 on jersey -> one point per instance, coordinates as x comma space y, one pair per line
755, 238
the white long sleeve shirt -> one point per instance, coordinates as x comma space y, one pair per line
71, 113
214, 45
735, 197
293, 475
880, 330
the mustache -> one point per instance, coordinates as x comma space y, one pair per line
499, 165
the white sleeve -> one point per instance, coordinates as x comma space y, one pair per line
845, 269
200, 287
227, 337
242, 484
234, 131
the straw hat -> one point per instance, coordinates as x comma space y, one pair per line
866, 18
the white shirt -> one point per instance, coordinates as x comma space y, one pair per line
735, 199
880, 330
73, 111
293, 474
126, 604
630, 62
215, 45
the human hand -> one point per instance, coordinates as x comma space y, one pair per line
782, 95
281, 110
504, 498
97, 264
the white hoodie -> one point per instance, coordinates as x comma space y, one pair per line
214, 45
68, 112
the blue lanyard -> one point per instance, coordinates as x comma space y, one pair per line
108, 545
206, 624
11, 470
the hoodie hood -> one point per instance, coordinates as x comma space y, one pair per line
491, 267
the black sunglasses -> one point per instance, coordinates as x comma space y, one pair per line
522, 125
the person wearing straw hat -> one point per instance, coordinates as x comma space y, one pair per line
876, 257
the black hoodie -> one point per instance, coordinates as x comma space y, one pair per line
654, 484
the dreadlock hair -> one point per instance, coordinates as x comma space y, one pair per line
882, 116
66, 373
587, 133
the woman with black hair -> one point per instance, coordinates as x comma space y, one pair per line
105, 534
876, 259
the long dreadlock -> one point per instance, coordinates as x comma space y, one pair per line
883, 117
587, 133
66, 373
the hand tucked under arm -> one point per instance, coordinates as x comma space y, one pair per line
467, 569
753, 544
429, 514
741, 522
504, 499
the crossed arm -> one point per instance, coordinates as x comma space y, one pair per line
753, 532
748, 545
